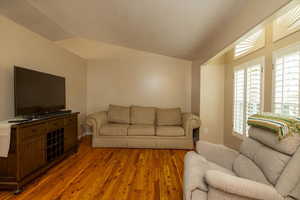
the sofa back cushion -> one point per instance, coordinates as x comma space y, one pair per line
169, 117
118, 114
142, 115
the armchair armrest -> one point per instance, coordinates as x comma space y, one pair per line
218, 154
96, 120
240, 186
190, 121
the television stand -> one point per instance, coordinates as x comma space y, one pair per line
46, 115
36, 146
18, 121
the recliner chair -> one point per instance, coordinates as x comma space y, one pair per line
264, 169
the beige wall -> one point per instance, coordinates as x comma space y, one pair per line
138, 78
19, 46
196, 81
212, 101
230, 139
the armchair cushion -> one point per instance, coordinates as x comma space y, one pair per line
218, 154
119, 114
219, 194
259, 156
246, 168
169, 117
296, 192
287, 146
195, 168
241, 187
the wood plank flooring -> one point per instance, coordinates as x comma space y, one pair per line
110, 174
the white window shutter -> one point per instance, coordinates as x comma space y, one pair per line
247, 94
286, 85
288, 22
239, 101
254, 82
249, 44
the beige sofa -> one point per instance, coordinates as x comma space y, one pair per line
265, 169
143, 127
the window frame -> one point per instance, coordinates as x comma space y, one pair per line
280, 53
245, 66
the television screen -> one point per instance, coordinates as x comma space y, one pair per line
38, 93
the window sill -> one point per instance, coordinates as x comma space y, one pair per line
238, 135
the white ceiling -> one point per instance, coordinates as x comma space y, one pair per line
169, 27
177, 28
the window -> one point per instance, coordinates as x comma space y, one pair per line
247, 93
286, 81
287, 23
251, 43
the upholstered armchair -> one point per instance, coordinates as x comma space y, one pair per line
264, 168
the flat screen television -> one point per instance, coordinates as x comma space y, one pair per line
38, 93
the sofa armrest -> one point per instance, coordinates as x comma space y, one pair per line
240, 186
216, 153
96, 120
189, 122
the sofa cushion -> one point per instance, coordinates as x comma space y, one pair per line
141, 130
114, 129
169, 117
142, 115
195, 168
169, 131
118, 114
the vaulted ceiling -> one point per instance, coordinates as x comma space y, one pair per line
177, 28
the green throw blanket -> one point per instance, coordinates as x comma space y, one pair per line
280, 124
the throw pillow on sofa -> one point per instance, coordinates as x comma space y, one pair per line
169, 117
142, 115
119, 114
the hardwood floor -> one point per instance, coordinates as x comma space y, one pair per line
110, 174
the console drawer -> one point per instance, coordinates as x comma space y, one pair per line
33, 131
71, 121
55, 125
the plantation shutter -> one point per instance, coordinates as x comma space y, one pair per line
247, 94
288, 22
239, 101
254, 82
286, 75
249, 44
